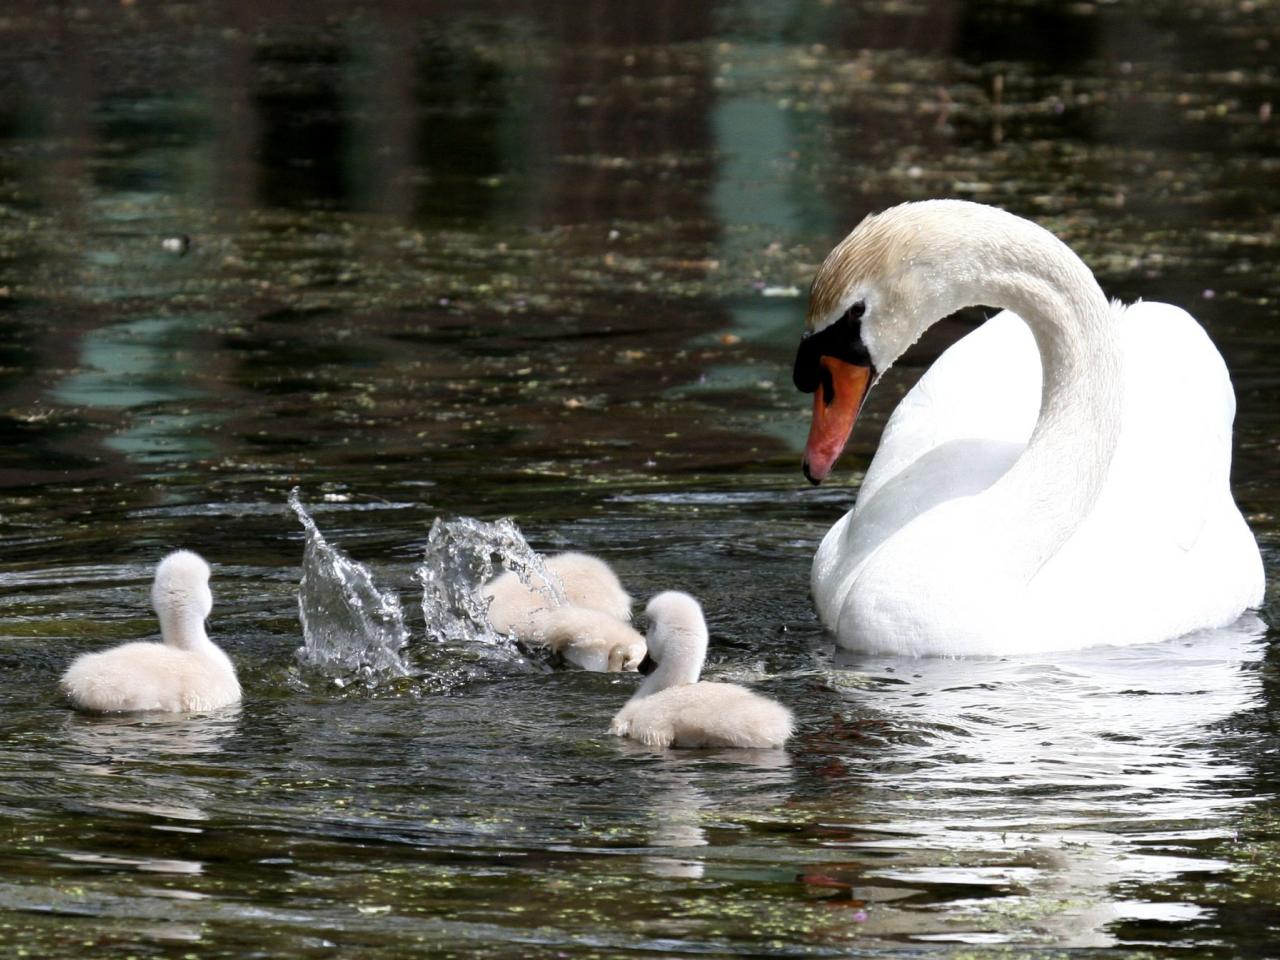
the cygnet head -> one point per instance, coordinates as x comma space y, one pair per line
181, 598
677, 640
626, 647
626, 657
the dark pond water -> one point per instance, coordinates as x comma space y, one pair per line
546, 261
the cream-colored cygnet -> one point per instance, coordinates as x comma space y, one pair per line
186, 673
590, 639
590, 629
673, 708
587, 581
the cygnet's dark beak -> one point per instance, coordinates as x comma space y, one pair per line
647, 665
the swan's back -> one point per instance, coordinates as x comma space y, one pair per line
705, 715
1179, 409
1166, 550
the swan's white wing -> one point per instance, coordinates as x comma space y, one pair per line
1165, 549
1173, 460
985, 386
954, 434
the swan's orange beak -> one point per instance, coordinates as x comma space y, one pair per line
835, 407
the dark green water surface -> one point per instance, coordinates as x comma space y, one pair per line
547, 260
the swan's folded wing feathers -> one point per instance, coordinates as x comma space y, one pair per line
986, 386
1174, 456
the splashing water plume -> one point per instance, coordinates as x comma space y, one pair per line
461, 555
350, 628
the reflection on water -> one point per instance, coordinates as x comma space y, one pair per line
1079, 775
1088, 799
101, 741
147, 367
532, 261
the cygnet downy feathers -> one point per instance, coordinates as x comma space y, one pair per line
673, 708
590, 639
587, 582
185, 673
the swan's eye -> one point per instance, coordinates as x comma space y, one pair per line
841, 340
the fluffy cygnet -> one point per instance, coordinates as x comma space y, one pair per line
590, 639
185, 673
673, 708
588, 582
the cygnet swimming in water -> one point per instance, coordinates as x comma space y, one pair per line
587, 581
673, 708
186, 673
590, 639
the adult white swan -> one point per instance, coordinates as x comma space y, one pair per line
1057, 479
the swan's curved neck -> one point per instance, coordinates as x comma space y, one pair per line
1020, 266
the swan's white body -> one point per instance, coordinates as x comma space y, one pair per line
1047, 485
584, 581
590, 639
673, 708
186, 673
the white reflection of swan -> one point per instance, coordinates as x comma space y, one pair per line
137, 765
1057, 781
676, 813
141, 864
109, 738
678, 793
112, 746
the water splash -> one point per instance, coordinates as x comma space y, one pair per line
461, 555
351, 629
